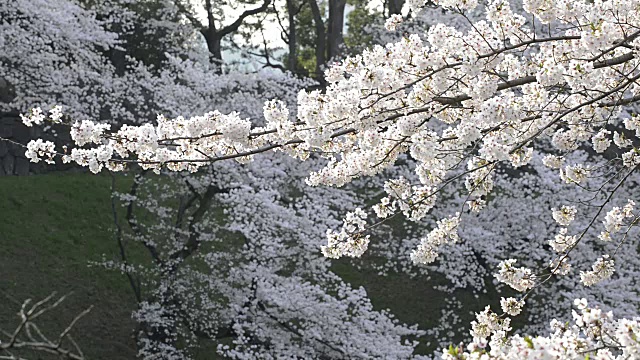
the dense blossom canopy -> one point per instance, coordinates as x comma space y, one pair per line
476, 111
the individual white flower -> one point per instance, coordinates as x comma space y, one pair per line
55, 114
560, 266
632, 123
431, 173
574, 173
477, 205
627, 334
620, 140
384, 208
631, 158
581, 304
521, 157
565, 215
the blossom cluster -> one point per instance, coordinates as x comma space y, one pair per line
615, 218
521, 279
602, 269
414, 201
594, 334
565, 215
446, 232
349, 240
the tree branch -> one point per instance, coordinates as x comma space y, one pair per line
41, 344
236, 24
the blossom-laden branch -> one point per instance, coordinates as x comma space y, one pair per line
594, 334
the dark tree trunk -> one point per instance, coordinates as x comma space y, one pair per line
335, 36
321, 38
214, 44
395, 6
213, 37
118, 60
293, 56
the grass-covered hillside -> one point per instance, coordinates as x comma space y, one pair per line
51, 227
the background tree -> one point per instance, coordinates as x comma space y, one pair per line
218, 25
251, 285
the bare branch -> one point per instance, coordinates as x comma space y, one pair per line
22, 339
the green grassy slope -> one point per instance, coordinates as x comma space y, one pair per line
51, 226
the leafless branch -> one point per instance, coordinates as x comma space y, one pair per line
27, 336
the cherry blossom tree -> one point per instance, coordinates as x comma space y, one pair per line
196, 285
250, 278
59, 66
62, 53
479, 111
